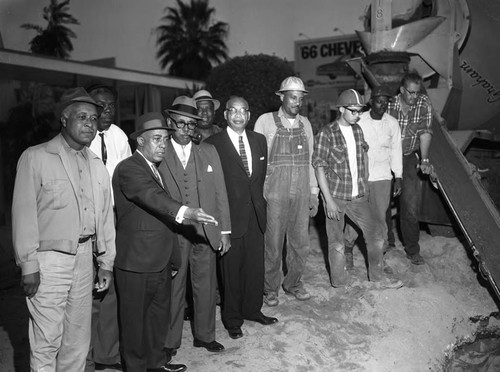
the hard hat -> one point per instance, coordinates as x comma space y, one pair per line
292, 83
350, 97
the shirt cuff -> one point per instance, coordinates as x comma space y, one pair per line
225, 232
29, 267
315, 190
180, 214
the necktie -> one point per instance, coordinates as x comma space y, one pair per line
243, 155
183, 157
104, 151
156, 174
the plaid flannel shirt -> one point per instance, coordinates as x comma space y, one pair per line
417, 122
330, 152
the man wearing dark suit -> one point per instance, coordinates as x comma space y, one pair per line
147, 248
244, 161
193, 176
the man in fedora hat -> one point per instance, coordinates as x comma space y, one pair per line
61, 206
147, 247
341, 168
111, 145
385, 157
206, 106
193, 175
290, 189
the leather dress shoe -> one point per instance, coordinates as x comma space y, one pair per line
235, 332
264, 320
102, 367
169, 368
213, 346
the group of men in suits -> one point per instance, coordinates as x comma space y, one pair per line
205, 200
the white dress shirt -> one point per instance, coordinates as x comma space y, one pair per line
235, 139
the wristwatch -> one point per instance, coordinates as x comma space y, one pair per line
425, 161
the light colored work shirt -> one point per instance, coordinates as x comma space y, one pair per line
385, 153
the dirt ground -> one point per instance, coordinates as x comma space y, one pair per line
361, 329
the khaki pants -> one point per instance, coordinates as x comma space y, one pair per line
59, 327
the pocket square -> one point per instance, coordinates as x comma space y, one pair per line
209, 169
261, 158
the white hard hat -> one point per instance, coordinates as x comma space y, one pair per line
292, 83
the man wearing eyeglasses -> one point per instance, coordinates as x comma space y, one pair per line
193, 176
243, 155
382, 133
341, 168
413, 111
111, 146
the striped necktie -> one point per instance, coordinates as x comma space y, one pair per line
243, 155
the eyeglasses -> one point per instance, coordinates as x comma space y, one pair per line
353, 111
182, 124
410, 92
234, 110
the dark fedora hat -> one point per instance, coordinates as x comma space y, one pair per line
75, 95
149, 121
185, 106
98, 84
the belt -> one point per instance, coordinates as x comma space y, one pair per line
85, 238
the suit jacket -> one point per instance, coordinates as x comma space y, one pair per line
211, 186
145, 217
45, 208
245, 193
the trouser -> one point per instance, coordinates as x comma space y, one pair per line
243, 276
287, 193
410, 204
143, 304
201, 260
359, 211
378, 199
59, 326
104, 345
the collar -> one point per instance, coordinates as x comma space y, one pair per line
235, 136
150, 163
179, 148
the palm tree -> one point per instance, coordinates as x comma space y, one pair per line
189, 42
55, 39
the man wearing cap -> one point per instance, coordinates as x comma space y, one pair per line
341, 168
206, 106
61, 208
111, 145
193, 175
290, 189
413, 111
382, 133
147, 247
243, 155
